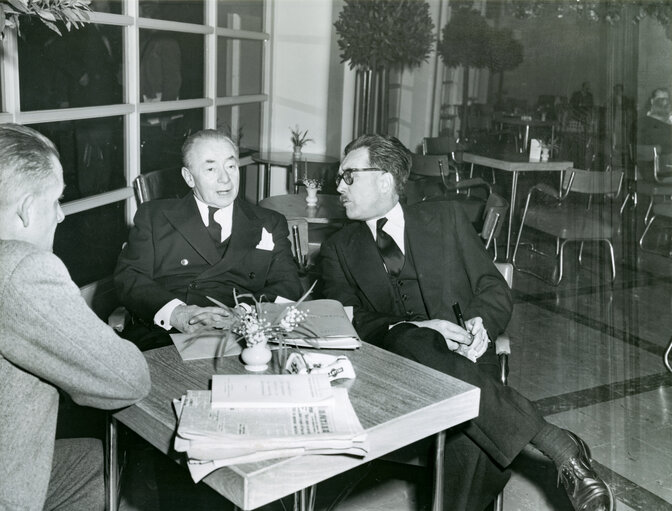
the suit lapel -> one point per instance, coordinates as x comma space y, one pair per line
245, 235
367, 269
186, 219
425, 240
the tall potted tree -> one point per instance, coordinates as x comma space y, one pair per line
72, 13
506, 53
376, 37
465, 41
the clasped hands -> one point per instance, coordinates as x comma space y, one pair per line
472, 341
189, 319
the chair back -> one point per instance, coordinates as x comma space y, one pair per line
298, 237
160, 184
593, 182
324, 172
494, 214
439, 145
431, 165
506, 269
647, 161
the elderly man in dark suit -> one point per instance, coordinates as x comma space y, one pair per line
402, 269
207, 244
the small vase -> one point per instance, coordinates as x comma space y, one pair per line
297, 153
544, 154
311, 198
256, 357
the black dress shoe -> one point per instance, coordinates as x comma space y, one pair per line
585, 489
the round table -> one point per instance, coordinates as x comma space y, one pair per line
327, 211
268, 159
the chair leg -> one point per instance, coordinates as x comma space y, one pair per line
613, 260
439, 455
581, 252
112, 465
646, 230
648, 210
560, 262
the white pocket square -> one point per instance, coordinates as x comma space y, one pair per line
266, 242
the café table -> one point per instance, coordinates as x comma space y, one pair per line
514, 163
269, 159
526, 123
398, 402
328, 209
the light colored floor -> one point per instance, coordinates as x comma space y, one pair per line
589, 353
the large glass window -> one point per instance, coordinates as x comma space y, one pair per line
162, 136
81, 68
92, 154
243, 124
171, 65
187, 11
240, 65
89, 242
241, 14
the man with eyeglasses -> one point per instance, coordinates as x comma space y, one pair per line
402, 269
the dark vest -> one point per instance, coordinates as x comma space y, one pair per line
407, 296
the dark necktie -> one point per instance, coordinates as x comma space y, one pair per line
392, 256
214, 229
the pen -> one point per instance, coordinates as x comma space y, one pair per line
460, 319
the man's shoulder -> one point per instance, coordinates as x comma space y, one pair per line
157, 205
346, 233
431, 208
21, 259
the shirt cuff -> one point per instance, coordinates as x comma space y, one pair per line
162, 317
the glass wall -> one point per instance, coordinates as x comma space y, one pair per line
118, 102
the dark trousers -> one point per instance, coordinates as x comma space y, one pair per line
478, 452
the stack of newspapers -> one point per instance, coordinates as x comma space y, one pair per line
247, 418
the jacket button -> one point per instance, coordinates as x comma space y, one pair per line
251, 275
404, 297
193, 285
184, 262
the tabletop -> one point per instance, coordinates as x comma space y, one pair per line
514, 162
286, 158
327, 210
398, 402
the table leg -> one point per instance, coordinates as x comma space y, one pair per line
267, 180
526, 138
512, 208
112, 465
304, 500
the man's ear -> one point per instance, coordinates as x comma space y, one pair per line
387, 181
23, 207
186, 175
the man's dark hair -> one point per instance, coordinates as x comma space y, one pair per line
386, 153
204, 135
26, 161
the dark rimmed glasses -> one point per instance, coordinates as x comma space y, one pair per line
346, 175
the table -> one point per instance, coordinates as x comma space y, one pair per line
517, 121
327, 211
515, 163
268, 159
398, 402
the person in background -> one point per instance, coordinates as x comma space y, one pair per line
655, 128
50, 341
206, 244
402, 269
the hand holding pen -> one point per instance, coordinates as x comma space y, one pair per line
460, 321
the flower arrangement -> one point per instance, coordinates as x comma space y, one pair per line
312, 184
298, 138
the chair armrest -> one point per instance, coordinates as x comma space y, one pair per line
119, 318
474, 182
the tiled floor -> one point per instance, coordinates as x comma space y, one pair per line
589, 353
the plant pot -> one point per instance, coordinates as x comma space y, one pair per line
256, 357
544, 154
311, 197
297, 153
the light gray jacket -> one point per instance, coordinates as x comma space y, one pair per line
50, 338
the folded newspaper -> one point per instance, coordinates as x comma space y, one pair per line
219, 434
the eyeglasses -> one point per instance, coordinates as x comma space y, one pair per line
346, 175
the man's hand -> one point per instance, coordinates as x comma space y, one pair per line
481, 340
190, 318
454, 334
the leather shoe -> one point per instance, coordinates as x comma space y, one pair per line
585, 489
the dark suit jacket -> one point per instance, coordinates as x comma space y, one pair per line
170, 255
450, 261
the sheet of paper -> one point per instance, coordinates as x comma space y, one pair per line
193, 347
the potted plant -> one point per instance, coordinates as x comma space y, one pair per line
312, 187
72, 13
375, 37
299, 139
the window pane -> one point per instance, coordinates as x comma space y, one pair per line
92, 154
241, 14
81, 68
171, 65
162, 137
239, 67
243, 124
111, 6
89, 242
186, 11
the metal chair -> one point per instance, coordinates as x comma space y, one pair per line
573, 215
663, 209
667, 356
493, 219
649, 178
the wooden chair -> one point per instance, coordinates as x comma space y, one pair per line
160, 184
568, 218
